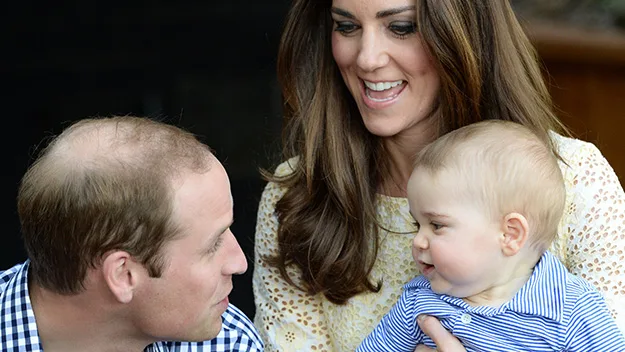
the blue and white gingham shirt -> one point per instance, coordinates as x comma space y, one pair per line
19, 333
553, 311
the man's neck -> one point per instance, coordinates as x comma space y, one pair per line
78, 346
81, 322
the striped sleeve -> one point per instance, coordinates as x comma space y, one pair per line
591, 327
398, 329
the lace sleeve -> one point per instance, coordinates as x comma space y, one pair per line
288, 319
594, 225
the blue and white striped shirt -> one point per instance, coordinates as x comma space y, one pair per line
553, 311
18, 328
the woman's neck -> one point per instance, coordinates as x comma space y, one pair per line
401, 151
399, 168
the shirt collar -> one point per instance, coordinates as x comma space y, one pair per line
19, 327
545, 291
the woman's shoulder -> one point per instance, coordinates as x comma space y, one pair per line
287, 167
274, 190
573, 148
589, 178
581, 157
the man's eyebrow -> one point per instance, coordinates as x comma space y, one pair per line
223, 229
216, 238
395, 11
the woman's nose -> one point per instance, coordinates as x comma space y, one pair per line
373, 53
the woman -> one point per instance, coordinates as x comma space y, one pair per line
367, 83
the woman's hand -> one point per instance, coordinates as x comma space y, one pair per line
444, 340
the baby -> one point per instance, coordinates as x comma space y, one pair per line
487, 199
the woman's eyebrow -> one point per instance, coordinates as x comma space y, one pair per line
394, 11
341, 12
380, 14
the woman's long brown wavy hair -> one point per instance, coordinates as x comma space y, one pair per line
327, 217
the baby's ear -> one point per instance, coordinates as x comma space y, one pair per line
515, 233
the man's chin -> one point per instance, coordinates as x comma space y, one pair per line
209, 332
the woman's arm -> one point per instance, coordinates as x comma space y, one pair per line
287, 318
445, 341
594, 225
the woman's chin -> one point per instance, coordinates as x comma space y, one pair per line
382, 128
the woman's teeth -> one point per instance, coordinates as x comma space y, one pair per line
380, 99
380, 86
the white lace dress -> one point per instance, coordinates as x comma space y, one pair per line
591, 243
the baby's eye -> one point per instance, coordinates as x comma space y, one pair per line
436, 225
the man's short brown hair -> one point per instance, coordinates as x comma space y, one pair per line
103, 184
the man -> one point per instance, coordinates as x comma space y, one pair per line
126, 222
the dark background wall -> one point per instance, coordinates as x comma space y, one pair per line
208, 66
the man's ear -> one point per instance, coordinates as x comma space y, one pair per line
121, 274
515, 233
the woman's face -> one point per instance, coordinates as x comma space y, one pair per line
385, 63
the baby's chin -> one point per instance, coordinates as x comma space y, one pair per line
465, 293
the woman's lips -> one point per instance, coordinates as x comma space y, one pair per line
381, 99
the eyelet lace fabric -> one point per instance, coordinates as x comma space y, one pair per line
591, 243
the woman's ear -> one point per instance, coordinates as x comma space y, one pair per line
515, 233
121, 275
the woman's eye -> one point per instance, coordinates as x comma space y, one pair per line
403, 29
345, 27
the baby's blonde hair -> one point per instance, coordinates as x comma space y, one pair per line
504, 167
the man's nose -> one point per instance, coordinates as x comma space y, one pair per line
236, 263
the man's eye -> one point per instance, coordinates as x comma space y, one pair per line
216, 246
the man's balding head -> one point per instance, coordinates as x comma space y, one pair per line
104, 184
